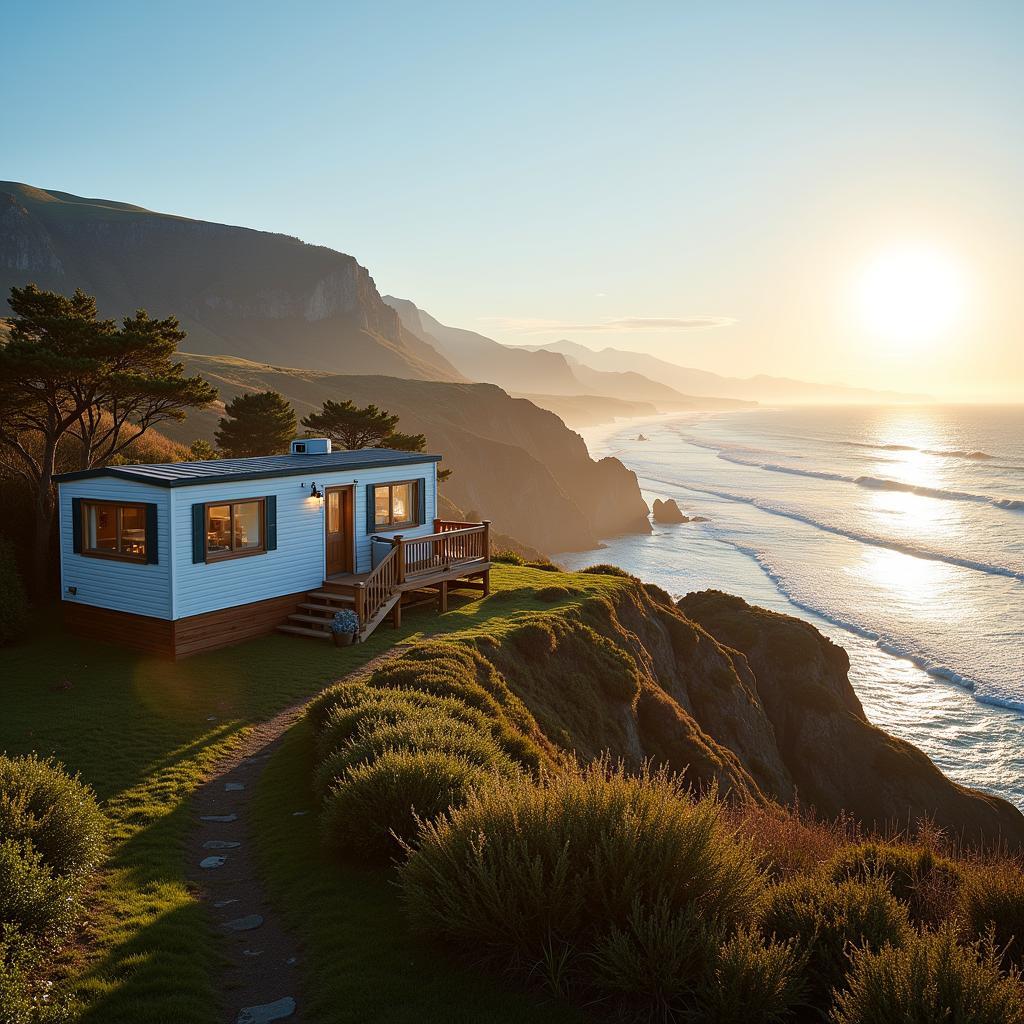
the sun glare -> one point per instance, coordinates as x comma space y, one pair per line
911, 295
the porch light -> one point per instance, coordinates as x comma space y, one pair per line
314, 491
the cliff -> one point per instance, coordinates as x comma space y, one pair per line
759, 704
237, 291
516, 464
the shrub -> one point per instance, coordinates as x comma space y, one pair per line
915, 875
57, 814
930, 980
22, 999
604, 569
508, 557
753, 981
376, 737
535, 639
35, 900
13, 600
543, 566
993, 901
375, 807
603, 872
553, 594
827, 918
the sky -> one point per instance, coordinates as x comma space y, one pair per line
716, 184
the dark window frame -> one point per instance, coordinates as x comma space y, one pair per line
232, 553
118, 555
414, 499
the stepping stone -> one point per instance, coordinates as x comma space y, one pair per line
299, 814
212, 718
220, 904
220, 818
220, 844
291, 961
213, 862
252, 952
267, 1012
234, 787
245, 924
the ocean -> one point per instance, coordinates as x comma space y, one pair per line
897, 531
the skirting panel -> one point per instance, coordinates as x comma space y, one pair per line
181, 637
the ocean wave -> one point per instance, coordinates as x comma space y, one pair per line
898, 650
732, 455
876, 540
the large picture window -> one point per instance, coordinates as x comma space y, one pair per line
395, 505
114, 530
235, 528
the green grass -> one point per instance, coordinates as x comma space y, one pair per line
137, 728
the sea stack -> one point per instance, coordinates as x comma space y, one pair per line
668, 512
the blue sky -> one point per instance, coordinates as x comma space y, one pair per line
537, 171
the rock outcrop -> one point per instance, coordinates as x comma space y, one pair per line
667, 511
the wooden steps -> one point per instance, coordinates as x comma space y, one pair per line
317, 634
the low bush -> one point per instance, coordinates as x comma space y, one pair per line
375, 807
753, 981
926, 882
508, 557
34, 899
604, 569
543, 566
13, 599
553, 594
375, 737
930, 980
992, 901
57, 814
24, 999
622, 881
825, 919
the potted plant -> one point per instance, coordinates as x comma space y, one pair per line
344, 627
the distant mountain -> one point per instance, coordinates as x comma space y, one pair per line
761, 388
236, 291
533, 371
512, 462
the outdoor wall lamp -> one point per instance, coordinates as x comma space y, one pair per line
314, 491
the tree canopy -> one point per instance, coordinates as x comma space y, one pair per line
262, 423
71, 381
349, 426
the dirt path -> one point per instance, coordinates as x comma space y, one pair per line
260, 980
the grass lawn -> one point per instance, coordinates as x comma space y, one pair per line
142, 732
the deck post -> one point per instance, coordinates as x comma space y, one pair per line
360, 595
437, 526
442, 596
397, 542
487, 540
486, 575
396, 614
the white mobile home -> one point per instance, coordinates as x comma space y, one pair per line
180, 557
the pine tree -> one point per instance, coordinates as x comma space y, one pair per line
256, 424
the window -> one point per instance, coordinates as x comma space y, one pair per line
395, 505
114, 531
234, 529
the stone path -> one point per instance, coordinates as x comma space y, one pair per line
260, 981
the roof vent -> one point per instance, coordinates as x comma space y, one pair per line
312, 446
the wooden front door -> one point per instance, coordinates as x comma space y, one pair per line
339, 530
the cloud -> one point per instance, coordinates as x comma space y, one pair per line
618, 325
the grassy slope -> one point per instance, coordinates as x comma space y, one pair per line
138, 730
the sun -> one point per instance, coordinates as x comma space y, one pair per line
910, 295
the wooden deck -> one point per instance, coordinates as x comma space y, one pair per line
415, 570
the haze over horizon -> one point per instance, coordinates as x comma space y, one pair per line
824, 195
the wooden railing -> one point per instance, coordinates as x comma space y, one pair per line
451, 546
379, 587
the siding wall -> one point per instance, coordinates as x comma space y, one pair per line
298, 563
107, 583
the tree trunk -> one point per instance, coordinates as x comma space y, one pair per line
45, 508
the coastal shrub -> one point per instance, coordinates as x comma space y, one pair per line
992, 901
930, 980
926, 882
543, 566
33, 899
605, 569
553, 594
508, 557
13, 599
753, 981
375, 807
376, 737
57, 814
534, 639
826, 919
23, 999
597, 871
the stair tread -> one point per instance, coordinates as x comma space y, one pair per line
320, 634
318, 619
313, 607
330, 595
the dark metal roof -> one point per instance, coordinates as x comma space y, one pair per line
186, 474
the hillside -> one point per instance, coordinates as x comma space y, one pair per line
236, 291
761, 388
539, 371
512, 462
